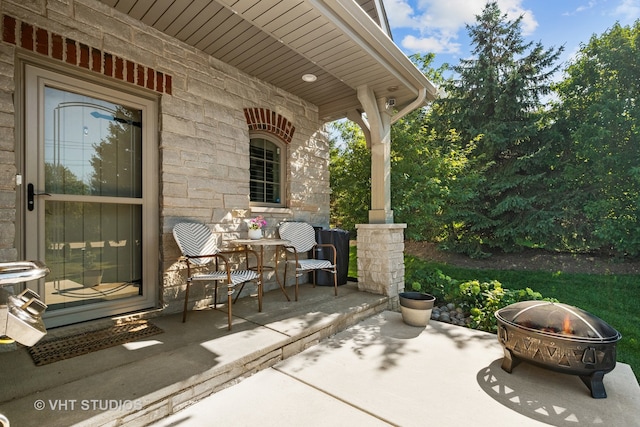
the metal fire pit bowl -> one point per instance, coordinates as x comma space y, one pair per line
559, 337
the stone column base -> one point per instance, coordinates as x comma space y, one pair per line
381, 260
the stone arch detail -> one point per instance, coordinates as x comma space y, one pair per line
265, 120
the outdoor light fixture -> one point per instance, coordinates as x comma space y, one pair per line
309, 77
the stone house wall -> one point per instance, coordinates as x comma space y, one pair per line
203, 139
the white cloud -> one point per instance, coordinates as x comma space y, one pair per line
448, 16
430, 44
628, 11
588, 6
400, 14
438, 23
514, 9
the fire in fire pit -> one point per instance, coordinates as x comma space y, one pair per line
558, 337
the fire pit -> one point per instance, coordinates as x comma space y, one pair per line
559, 337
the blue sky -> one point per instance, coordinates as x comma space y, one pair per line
438, 26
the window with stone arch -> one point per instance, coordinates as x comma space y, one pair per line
266, 183
269, 133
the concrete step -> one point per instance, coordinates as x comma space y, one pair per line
137, 383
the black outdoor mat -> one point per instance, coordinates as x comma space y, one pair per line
46, 352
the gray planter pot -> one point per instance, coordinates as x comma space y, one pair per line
416, 308
92, 278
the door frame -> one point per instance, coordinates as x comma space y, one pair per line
150, 170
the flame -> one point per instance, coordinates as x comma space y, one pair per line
566, 326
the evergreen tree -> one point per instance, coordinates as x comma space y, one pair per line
495, 106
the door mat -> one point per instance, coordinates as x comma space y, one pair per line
46, 352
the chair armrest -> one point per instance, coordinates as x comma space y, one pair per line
329, 245
186, 258
217, 257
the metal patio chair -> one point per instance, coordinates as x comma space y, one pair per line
206, 262
303, 239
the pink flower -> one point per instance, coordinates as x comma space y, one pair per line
257, 223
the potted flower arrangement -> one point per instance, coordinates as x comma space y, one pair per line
255, 227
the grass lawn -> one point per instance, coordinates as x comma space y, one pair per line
613, 298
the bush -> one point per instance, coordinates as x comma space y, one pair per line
479, 299
434, 282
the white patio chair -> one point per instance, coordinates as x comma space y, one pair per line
303, 239
199, 250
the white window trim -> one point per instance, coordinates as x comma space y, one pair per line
284, 172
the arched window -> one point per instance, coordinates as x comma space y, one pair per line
267, 171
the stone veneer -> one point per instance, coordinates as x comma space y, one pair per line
203, 131
381, 260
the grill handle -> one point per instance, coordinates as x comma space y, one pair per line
21, 271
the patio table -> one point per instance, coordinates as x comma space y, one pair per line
261, 267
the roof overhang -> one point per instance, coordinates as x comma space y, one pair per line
280, 41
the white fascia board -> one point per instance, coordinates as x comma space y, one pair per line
351, 19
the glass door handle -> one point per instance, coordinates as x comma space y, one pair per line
31, 196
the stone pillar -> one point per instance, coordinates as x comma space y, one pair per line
381, 260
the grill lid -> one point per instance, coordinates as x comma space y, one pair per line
558, 319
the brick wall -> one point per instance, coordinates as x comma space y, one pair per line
261, 119
72, 52
204, 133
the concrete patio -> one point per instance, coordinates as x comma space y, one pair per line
383, 372
320, 361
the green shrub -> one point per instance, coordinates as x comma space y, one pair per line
479, 299
434, 282
612, 297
